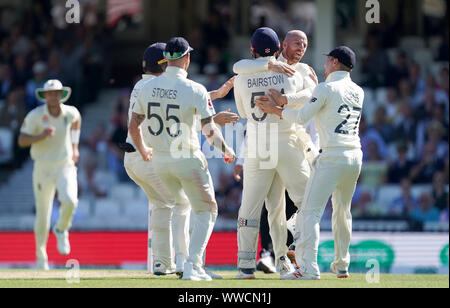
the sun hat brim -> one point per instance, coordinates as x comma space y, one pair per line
66, 94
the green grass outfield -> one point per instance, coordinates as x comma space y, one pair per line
140, 279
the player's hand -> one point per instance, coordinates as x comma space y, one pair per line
278, 98
49, 132
313, 76
225, 88
146, 154
229, 156
280, 67
237, 172
226, 117
267, 105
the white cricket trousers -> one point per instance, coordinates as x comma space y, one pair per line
335, 173
168, 223
190, 176
260, 184
49, 178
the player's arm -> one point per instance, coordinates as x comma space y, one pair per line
268, 105
223, 90
29, 132
215, 138
315, 104
261, 65
136, 135
75, 133
26, 140
239, 101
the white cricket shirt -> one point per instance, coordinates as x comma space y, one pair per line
251, 86
52, 149
336, 106
173, 106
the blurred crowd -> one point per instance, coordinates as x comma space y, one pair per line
404, 131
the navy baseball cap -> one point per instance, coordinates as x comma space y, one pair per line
153, 56
265, 42
177, 48
345, 55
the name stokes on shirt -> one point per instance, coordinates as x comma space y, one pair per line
164, 93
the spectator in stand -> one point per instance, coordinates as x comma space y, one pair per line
391, 104
441, 93
435, 134
367, 135
404, 204
405, 126
401, 167
20, 71
5, 80
374, 169
54, 64
39, 78
444, 48
426, 212
115, 154
13, 113
423, 172
417, 83
404, 90
398, 71
375, 65
439, 193
382, 126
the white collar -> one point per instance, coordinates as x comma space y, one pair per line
176, 71
338, 75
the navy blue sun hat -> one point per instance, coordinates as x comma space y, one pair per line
265, 42
177, 48
344, 55
153, 56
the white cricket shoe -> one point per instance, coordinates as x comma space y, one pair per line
194, 273
339, 274
213, 276
63, 244
42, 265
160, 269
246, 273
265, 264
299, 274
285, 266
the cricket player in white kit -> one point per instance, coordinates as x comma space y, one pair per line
53, 132
288, 62
170, 107
336, 106
143, 174
285, 165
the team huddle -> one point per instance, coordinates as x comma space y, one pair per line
301, 136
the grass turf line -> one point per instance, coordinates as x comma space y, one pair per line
140, 279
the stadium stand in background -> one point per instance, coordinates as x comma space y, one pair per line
404, 181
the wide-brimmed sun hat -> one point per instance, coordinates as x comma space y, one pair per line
53, 85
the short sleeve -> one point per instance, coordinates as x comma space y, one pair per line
204, 103
29, 125
138, 106
75, 114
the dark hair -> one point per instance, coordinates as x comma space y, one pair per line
157, 69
